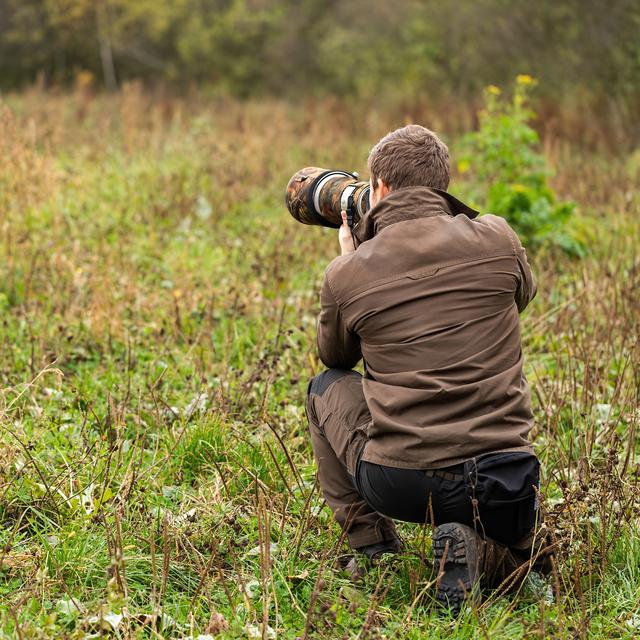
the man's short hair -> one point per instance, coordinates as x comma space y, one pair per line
411, 156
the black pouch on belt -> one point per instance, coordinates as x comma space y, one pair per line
503, 485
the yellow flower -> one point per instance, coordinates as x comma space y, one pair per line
493, 90
525, 79
463, 166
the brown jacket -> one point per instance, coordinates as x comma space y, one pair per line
430, 301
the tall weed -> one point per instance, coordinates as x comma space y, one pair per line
509, 175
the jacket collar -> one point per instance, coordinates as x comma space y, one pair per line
408, 203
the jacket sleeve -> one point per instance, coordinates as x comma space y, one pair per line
337, 346
526, 288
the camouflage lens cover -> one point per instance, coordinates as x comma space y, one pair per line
316, 196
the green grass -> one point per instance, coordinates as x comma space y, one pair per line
158, 332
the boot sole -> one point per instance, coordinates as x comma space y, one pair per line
460, 580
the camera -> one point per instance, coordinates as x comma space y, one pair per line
317, 196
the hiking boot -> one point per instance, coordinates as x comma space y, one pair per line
375, 551
537, 548
502, 568
356, 566
465, 562
505, 568
458, 553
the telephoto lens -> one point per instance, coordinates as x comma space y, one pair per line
317, 196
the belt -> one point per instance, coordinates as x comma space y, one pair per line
445, 475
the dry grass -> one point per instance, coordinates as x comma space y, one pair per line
158, 330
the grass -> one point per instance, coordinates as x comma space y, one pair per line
158, 332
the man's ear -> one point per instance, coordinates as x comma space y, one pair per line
383, 189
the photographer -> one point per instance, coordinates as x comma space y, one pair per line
428, 296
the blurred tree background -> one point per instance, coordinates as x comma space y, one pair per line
261, 47
159, 304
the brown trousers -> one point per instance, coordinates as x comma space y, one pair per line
338, 422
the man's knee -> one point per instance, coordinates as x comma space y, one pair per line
345, 399
320, 383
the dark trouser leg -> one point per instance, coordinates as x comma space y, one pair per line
505, 509
338, 419
511, 539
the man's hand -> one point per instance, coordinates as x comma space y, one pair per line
345, 237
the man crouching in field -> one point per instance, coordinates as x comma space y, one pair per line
436, 430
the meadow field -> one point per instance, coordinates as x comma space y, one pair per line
158, 333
